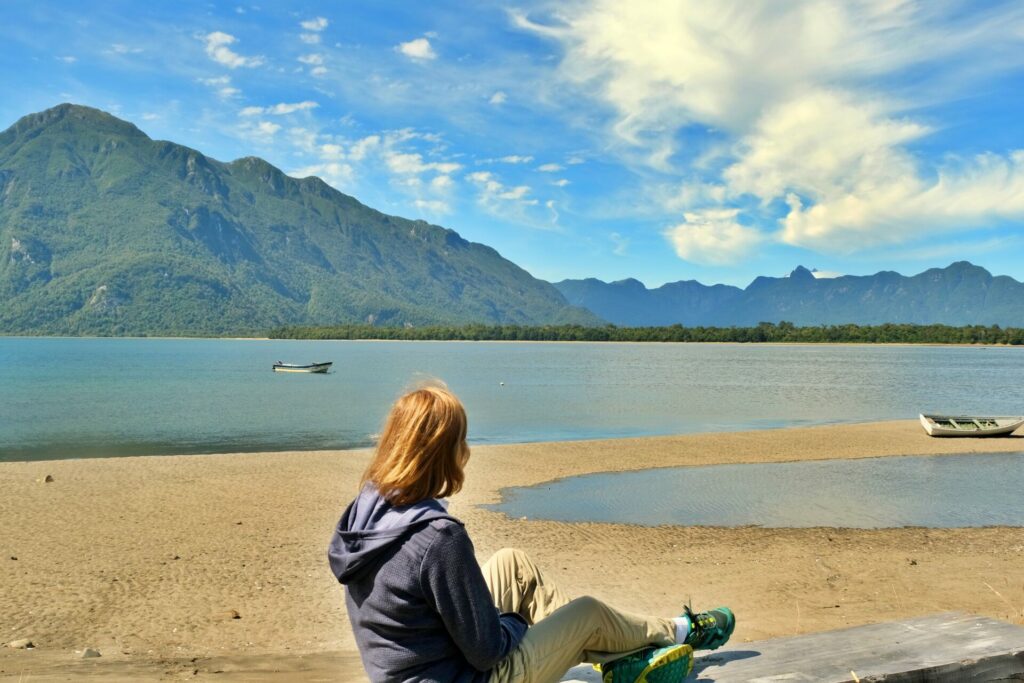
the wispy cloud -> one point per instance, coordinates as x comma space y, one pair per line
433, 206
492, 190
499, 97
122, 49
413, 164
217, 48
550, 168
262, 132
513, 159
222, 87
619, 243
279, 109
803, 103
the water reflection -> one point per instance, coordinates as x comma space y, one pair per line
931, 491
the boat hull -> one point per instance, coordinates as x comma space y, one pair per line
953, 426
318, 368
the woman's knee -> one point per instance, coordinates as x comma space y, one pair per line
509, 556
588, 605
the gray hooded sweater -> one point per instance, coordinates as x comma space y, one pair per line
416, 598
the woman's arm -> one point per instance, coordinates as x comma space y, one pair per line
452, 581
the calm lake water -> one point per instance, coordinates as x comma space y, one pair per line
65, 398
937, 491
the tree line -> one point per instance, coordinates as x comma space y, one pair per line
782, 332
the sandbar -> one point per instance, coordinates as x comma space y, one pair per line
214, 566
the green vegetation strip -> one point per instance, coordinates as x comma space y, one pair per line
783, 332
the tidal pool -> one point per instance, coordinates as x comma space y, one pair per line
929, 491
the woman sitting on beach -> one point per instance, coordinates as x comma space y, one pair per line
423, 610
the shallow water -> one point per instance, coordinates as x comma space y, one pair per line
65, 397
929, 491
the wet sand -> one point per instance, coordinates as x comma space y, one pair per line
149, 559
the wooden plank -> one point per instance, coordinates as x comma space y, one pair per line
947, 645
941, 647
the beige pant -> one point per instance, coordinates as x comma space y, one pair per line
562, 632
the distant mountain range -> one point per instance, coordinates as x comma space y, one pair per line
961, 294
105, 231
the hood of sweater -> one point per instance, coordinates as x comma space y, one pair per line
370, 525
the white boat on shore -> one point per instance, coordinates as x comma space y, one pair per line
951, 425
312, 367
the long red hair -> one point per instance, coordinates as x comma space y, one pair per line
422, 449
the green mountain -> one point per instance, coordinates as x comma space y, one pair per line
960, 294
106, 231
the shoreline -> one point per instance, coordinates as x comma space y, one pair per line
529, 341
538, 442
145, 557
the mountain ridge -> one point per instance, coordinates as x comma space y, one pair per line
959, 294
104, 230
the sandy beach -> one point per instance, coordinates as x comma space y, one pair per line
214, 566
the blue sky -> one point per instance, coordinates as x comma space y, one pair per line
659, 140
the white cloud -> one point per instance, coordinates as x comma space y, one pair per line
965, 194
818, 143
279, 109
260, 131
310, 38
318, 71
436, 206
122, 49
337, 175
411, 163
550, 168
331, 150
811, 103
491, 189
442, 182
217, 49
318, 24
418, 49
362, 147
712, 237
150, 116
561, 182
312, 59
303, 138
498, 97
517, 192
515, 159
68, 59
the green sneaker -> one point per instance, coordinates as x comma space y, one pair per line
709, 630
669, 664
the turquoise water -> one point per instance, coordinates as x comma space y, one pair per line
62, 398
936, 491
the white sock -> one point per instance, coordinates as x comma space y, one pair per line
682, 628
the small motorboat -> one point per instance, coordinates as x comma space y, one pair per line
312, 367
946, 425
